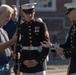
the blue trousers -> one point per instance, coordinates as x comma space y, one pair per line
11, 63
4, 69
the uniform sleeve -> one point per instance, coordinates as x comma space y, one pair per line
44, 37
69, 52
66, 44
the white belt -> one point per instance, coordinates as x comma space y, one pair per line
30, 48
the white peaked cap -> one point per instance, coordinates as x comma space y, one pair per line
28, 6
70, 5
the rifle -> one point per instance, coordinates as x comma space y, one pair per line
0, 3
18, 43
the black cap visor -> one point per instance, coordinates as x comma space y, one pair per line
29, 11
69, 10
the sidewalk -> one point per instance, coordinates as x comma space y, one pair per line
58, 61
57, 68
57, 65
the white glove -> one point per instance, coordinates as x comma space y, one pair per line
55, 46
58, 50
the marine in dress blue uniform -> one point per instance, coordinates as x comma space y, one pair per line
70, 45
68, 49
32, 33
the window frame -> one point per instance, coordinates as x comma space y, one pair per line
53, 8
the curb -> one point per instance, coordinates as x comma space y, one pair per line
57, 68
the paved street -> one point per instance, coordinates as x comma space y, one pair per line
55, 70
57, 66
52, 73
57, 73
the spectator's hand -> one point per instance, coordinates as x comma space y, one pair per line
46, 44
15, 69
18, 72
14, 55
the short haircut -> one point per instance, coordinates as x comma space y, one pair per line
6, 9
14, 7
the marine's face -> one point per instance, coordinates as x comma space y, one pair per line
28, 17
70, 15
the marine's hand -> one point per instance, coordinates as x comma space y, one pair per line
27, 63
34, 63
30, 63
55, 46
60, 51
46, 44
14, 55
58, 48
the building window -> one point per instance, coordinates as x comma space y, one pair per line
45, 5
3, 1
74, 1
